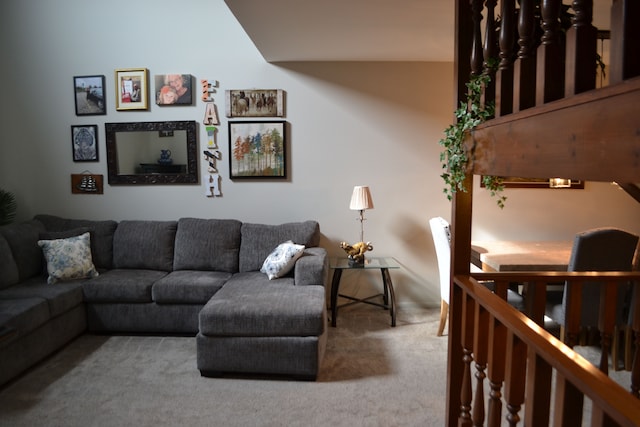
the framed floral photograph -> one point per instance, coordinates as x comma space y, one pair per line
257, 150
132, 89
84, 143
173, 89
89, 95
254, 103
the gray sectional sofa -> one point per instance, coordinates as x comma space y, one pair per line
191, 276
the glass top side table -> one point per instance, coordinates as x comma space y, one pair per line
372, 263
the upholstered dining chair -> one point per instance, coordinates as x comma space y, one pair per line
440, 231
600, 249
442, 241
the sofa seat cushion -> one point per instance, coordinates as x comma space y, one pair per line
60, 297
250, 304
144, 245
259, 240
23, 314
207, 244
188, 286
122, 286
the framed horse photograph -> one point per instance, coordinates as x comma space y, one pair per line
254, 103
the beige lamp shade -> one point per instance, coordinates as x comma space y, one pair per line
361, 198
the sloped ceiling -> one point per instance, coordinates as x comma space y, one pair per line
348, 30
357, 30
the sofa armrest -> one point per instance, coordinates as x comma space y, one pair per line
312, 267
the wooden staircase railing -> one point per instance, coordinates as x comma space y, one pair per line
536, 79
550, 121
519, 358
537, 60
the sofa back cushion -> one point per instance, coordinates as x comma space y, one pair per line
8, 265
259, 240
207, 244
101, 235
144, 245
23, 240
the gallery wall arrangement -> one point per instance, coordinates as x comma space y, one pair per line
257, 149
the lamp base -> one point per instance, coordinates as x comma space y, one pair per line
357, 262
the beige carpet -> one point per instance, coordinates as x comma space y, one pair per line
372, 375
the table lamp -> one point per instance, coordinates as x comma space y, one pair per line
360, 201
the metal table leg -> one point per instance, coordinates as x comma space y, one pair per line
335, 285
388, 287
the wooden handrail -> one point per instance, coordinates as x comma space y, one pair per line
556, 276
591, 136
568, 137
609, 399
537, 133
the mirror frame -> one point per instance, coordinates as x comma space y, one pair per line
190, 177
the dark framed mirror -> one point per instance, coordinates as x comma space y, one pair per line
147, 153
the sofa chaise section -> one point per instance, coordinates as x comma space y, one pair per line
254, 325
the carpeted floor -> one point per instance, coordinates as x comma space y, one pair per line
372, 375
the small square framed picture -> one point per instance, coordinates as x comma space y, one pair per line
132, 89
173, 89
84, 142
89, 95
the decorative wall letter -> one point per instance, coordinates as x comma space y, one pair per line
210, 116
208, 89
211, 154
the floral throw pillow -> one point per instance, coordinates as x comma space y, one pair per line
68, 258
282, 259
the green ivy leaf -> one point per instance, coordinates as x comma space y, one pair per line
454, 158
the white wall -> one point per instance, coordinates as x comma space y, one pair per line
375, 124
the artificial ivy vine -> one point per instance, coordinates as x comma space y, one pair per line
454, 157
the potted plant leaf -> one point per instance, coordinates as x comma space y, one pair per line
8, 207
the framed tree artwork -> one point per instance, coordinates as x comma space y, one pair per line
257, 149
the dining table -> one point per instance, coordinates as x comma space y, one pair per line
511, 255
530, 256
